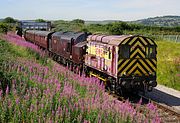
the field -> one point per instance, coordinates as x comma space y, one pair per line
35, 89
168, 69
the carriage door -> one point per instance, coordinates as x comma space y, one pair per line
50, 44
72, 43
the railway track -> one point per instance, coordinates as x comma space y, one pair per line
166, 113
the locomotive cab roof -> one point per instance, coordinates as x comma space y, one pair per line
81, 44
69, 35
116, 39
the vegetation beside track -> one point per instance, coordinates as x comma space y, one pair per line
34, 90
168, 67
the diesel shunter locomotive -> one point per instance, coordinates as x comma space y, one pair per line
125, 62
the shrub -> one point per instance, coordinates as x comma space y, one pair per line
3, 28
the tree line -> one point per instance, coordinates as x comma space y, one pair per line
11, 24
7, 24
115, 28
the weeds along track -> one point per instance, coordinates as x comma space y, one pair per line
166, 113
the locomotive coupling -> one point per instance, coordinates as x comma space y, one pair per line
152, 83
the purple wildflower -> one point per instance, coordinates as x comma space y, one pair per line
7, 90
17, 101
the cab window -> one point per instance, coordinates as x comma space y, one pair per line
125, 51
109, 53
150, 52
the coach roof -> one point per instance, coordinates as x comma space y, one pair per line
43, 33
68, 35
31, 31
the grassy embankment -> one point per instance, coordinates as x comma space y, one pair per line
33, 90
168, 69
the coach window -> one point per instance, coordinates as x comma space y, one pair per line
151, 52
125, 51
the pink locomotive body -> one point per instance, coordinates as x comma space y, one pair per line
102, 53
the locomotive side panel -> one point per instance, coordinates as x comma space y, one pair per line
62, 43
78, 52
59, 46
102, 57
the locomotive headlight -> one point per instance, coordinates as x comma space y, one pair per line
124, 73
153, 73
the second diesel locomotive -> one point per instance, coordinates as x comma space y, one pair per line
124, 62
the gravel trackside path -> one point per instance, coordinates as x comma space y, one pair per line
166, 96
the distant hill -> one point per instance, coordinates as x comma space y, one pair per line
167, 21
101, 22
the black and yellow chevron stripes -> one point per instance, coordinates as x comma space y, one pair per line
143, 40
137, 64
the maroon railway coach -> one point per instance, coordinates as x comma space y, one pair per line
62, 45
40, 38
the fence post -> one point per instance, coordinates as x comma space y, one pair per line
177, 36
169, 37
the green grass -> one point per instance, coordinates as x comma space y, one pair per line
11, 51
168, 69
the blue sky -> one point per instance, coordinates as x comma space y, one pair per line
88, 9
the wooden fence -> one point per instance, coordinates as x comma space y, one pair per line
175, 38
